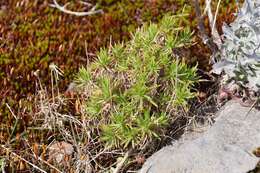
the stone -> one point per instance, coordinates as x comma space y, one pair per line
59, 150
225, 147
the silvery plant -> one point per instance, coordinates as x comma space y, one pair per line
240, 52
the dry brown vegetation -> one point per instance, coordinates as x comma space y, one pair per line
36, 112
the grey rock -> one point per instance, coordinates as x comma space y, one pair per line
225, 147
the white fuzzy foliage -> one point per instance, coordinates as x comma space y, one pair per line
240, 52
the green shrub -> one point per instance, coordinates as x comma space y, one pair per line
134, 89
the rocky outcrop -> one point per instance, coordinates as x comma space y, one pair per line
225, 147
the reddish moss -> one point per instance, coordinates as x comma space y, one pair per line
35, 34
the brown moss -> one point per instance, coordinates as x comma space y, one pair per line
32, 35
35, 34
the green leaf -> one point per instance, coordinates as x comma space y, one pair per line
133, 84
83, 77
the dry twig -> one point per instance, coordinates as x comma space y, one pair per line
121, 163
21, 158
215, 35
63, 9
201, 27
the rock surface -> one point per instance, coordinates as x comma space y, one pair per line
59, 150
226, 147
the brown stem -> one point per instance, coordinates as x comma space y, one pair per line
203, 34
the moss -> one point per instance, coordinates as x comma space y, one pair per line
33, 35
36, 34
